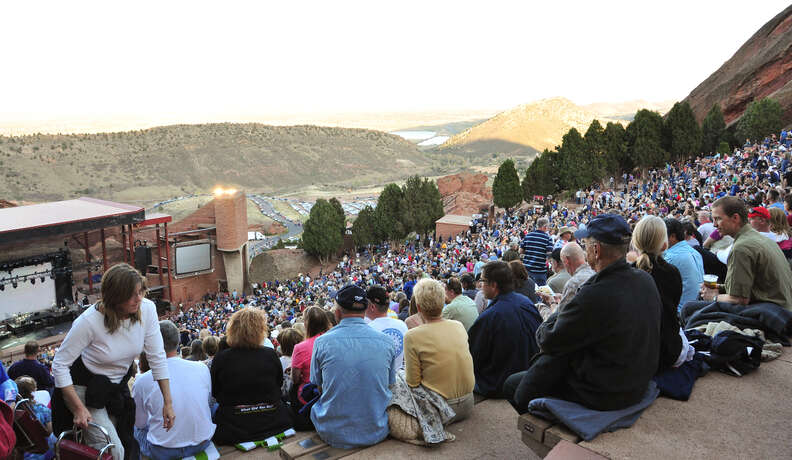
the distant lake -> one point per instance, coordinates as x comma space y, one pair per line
414, 135
437, 140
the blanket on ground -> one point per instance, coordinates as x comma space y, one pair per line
588, 423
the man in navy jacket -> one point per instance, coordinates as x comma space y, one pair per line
502, 340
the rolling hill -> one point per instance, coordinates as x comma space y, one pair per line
524, 130
172, 160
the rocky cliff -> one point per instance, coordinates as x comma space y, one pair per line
762, 67
464, 193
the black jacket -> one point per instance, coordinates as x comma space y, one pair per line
669, 285
247, 385
610, 334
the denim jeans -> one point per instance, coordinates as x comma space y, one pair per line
156, 452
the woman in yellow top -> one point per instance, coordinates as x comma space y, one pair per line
436, 353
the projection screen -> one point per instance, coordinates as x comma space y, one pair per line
26, 297
193, 258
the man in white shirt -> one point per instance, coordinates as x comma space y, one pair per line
191, 388
377, 317
706, 226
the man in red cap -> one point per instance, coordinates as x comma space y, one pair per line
759, 218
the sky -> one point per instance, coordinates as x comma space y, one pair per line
223, 59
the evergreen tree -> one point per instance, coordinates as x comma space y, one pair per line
423, 204
340, 216
390, 214
573, 166
320, 236
541, 175
712, 130
762, 118
433, 206
644, 142
595, 150
364, 228
506, 190
616, 158
682, 132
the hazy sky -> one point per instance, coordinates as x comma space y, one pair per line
220, 58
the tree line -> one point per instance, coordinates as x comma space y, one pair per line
648, 141
413, 207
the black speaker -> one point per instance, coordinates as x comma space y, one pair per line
142, 258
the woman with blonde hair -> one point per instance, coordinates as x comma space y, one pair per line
246, 382
95, 360
779, 225
650, 240
437, 354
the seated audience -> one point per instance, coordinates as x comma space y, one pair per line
27, 388
502, 340
31, 366
210, 347
378, 318
288, 339
460, 307
437, 355
574, 259
353, 366
603, 347
316, 324
468, 286
197, 352
523, 284
757, 271
687, 260
561, 276
246, 382
414, 320
650, 239
192, 386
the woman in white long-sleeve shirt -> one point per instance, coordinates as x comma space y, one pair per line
103, 342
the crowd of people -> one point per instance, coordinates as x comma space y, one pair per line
585, 302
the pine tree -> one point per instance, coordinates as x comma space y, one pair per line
320, 232
506, 190
574, 171
364, 228
762, 118
595, 150
682, 132
390, 212
712, 129
644, 139
541, 176
340, 216
616, 158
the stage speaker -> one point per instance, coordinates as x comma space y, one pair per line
142, 258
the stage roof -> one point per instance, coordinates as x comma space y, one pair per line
64, 218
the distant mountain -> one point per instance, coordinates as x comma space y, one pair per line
524, 130
761, 68
626, 110
168, 161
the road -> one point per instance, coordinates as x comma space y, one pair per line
294, 228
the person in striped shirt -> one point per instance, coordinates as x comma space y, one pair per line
537, 246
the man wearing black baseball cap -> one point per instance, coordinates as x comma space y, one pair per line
602, 349
354, 366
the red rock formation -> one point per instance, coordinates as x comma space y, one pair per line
464, 193
761, 68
